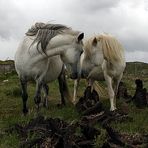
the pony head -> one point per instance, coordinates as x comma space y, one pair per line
101, 48
71, 55
91, 57
57, 39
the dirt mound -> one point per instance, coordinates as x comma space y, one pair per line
55, 133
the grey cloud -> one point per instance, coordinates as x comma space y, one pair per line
12, 20
100, 5
135, 44
146, 5
91, 6
125, 19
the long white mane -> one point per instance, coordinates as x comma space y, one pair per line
112, 49
45, 32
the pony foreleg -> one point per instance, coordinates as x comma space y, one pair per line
46, 91
61, 86
64, 91
24, 95
37, 98
76, 85
110, 91
94, 74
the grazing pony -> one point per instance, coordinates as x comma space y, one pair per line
41, 55
102, 54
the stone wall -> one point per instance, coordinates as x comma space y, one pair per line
7, 66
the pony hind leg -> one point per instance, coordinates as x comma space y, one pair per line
24, 95
46, 91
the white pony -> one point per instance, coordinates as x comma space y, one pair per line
102, 54
41, 55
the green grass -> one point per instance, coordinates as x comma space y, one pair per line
7, 62
11, 109
139, 124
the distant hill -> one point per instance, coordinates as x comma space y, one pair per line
133, 68
136, 68
7, 66
6, 62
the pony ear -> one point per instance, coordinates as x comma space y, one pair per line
80, 37
94, 42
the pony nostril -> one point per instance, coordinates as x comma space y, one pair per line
82, 75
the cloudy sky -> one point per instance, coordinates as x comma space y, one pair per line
127, 20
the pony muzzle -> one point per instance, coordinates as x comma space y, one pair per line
74, 76
84, 74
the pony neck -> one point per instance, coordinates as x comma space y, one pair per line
59, 44
59, 41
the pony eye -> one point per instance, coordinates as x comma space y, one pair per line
81, 52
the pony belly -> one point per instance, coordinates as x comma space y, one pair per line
52, 75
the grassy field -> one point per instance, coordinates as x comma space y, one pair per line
11, 108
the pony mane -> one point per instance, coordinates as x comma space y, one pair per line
110, 46
113, 51
45, 32
88, 47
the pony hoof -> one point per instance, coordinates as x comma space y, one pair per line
113, 109
74, 103
37, 107
60, 105
115, 113
25, 111
45, 104
37, 100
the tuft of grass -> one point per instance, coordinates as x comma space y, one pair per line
100, 139
10, 141
15, 91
